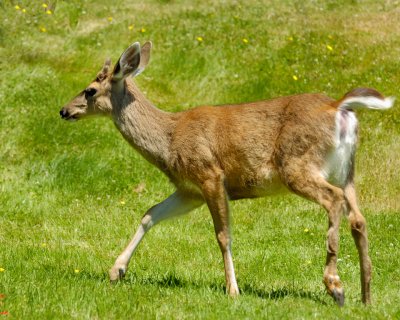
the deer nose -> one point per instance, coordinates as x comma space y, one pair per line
64, 113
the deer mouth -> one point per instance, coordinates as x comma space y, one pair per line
72, 118
67, 116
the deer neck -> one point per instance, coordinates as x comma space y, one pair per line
145, 127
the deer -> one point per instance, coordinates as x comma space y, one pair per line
304, 144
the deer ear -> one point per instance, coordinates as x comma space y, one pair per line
144, 57
105, 70
128, 63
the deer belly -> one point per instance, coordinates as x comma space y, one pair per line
340, 159
265, 183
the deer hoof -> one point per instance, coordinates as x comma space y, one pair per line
117, 274
233, 291
338, 296
234, 294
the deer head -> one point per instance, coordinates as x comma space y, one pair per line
96, 98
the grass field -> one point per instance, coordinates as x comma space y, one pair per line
72, 194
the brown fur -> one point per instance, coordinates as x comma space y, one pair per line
213, 154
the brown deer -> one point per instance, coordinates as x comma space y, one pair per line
303, 143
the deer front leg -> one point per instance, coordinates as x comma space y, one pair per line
215, 196
176, 204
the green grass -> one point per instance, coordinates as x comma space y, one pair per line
67, 191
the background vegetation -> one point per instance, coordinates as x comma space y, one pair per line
71, 195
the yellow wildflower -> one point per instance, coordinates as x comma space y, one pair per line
143, 30
290, 38
130, 27
122, 202
77, 271
2, 269
110, 19
245, 40
43, 245
44, 5
43, 29
24, 10
17, 7
49, 12
329, 47
295, 78
199, 39
306, 230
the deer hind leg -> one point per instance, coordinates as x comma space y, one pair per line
176, 204
316, 188
216, 198
359, 233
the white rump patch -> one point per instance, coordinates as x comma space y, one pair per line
339, 162
367, 102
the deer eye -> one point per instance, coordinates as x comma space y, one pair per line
90, 92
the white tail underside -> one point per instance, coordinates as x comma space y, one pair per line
367, 102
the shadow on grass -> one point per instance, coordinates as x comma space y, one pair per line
280, 293
171, 280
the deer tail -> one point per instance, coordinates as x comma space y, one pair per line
364, 98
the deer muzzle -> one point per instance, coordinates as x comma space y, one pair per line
66, 115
